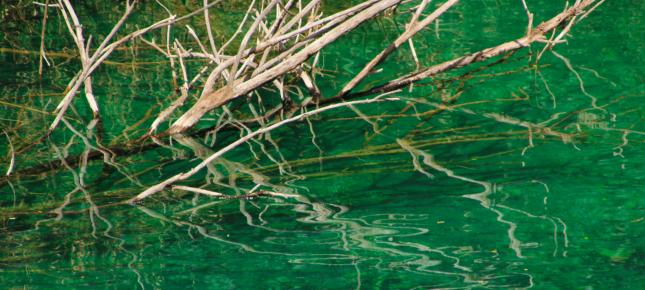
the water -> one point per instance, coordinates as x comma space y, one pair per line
486, 203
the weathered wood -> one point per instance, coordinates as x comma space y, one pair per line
217, 98
413, 28
185, 175
536, 34
228, 93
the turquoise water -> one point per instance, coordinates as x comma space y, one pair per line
392, 196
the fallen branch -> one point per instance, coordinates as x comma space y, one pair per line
183, 176
413, 28
536, 34
106, 48
237, 88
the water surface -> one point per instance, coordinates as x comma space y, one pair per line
390, 196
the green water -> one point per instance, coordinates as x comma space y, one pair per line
559, 213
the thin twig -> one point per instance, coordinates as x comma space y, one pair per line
12, 162
43, 56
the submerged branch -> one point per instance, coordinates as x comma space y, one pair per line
183, 176
536, 34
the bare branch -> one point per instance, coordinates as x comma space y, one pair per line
183, 176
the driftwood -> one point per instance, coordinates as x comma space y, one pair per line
183, 176
535, 34
251, 68
103, 52
237, 88
272, 48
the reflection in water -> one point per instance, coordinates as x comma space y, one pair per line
363, 241
521, 175
482, 197
356, 235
